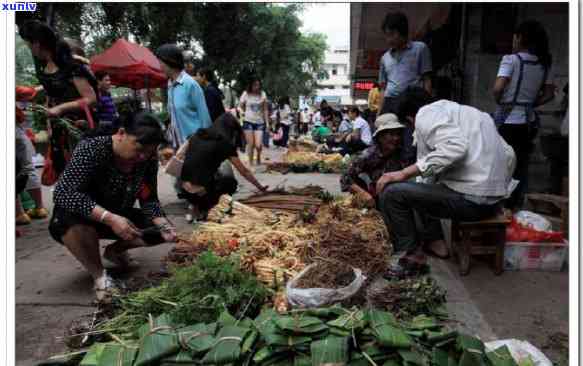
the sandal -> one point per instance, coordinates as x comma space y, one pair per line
23, 219
105, 288
38, 213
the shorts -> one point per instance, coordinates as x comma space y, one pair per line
250, 126
62, 221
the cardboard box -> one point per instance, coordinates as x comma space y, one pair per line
520, 256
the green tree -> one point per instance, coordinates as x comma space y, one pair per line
236, 39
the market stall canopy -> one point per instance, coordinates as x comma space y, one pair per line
130, 65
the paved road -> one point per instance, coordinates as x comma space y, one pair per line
52, 289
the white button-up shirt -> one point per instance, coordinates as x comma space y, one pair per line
459, 146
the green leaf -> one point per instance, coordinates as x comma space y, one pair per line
93, 355
412, 357
385, 328
501, 357
330, 351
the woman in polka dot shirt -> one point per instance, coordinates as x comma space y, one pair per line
94, 198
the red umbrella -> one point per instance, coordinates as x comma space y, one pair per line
130, 65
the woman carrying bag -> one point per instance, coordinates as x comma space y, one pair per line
520, 87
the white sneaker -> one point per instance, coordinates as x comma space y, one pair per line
105, 288
188, 216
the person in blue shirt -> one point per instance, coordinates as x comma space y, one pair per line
186, 102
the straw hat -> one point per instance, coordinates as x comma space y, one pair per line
387, 121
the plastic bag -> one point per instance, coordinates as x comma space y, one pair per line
516, 232
533, 220
316, 297
521, 351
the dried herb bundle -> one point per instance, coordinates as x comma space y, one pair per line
407, 298
346, 244
327, 274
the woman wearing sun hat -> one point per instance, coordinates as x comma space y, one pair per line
381, 157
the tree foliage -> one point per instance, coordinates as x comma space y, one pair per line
237, 40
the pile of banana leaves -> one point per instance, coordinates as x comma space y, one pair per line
319, 337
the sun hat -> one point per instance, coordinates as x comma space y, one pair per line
387, 121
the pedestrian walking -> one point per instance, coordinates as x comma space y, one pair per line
254, 102
285, 118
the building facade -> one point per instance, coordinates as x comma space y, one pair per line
467, 42
335, 89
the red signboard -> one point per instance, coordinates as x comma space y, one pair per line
363, 85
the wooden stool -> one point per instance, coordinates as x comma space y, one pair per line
480, 237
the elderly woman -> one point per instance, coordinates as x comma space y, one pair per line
94, 198
382, 157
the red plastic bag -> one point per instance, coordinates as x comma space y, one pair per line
516, 232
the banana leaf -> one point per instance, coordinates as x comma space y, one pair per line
330, 351
299, 324
118, 355
245, 323
92, 356
375, 353
411, 357
422, 322
302, 360
264, 322
329, 312
227, 348
197, 338
340, 332
157, 340
386, 331
441, 336
392, 362
226, 319
466, 342
501, 357
249, 341
350, 320
473, 358
440, 357
269, 356
415, 333
181, 358
285, 341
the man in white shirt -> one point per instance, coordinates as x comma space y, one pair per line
361, 137
465, 168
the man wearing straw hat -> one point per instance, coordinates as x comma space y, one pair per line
382, 157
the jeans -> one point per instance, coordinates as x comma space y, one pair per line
409, 152
400, 201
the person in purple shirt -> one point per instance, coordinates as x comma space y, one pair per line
106, 111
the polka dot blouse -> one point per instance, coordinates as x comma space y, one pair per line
91, 179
